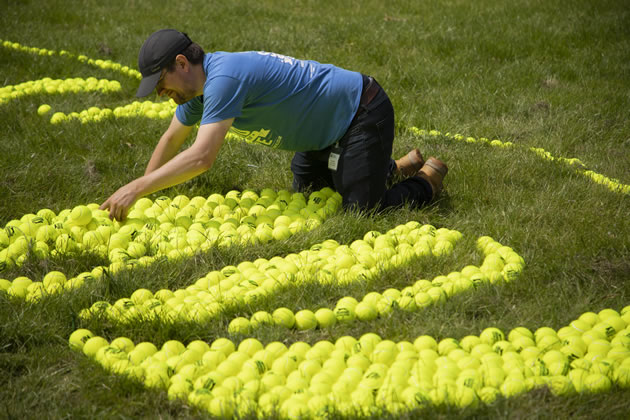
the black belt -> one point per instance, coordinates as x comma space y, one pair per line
370, 89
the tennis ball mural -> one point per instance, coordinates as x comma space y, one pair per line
165, 228
369, 375
364, 375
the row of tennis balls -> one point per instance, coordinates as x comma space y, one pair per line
247, 283
161, 215
459, 137
153, 110
127, 251
103, 64
422, 294
612, 184
56, 86
368, 374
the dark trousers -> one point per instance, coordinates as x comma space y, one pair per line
365, 167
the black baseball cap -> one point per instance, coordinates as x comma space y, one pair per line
157, 52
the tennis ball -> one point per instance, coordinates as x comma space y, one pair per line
43, 109
305, 320
284, 317
597, 382
123, 343
491, 335
58, 117
260, 318
365, 311
344, 314
325, 318
407, 303
173, 348
78, 339
488, 394
93, 344
54, 277
80, 215
512, 387
618, 353
281, 232
622, 376
493, 376
19, 287
250, 346
239, 325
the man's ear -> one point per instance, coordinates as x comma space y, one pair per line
182, 62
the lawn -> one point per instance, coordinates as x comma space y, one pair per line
526, 101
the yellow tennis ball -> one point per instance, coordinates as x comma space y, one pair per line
239, 325
305, 320
93, 344
284, 317
261, 318
80, 215
43, 109
365, 311
54, 277
596, 382
344, 314
491, 335
325, 317
78, 338
512, 387
281, 232
58, 117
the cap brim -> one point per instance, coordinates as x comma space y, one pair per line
148, 84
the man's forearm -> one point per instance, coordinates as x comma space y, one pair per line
168, 146
186, 165
164, 151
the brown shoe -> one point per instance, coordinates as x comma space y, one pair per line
434, 171
411, 163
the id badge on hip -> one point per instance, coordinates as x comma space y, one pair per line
333, 158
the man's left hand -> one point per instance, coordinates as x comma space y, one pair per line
120, 202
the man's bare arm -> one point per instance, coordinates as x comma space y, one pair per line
193, 161
169, 144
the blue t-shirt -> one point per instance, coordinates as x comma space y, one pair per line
275, 100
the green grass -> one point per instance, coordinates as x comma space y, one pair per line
539, 74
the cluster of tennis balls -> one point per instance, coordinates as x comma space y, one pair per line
612, 184
164, 228
369, 375
103, 64
154, 110
501, 264
249, 282
56, 86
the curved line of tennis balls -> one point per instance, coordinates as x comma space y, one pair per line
103, 64
250, 282
501, 264
612, 184
370, 375
148, 109
56, 86
164, 227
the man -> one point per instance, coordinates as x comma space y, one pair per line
340, 123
